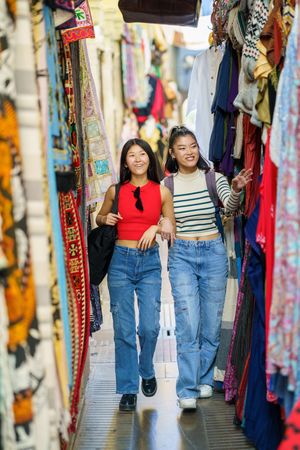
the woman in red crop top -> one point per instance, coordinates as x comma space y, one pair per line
135, 267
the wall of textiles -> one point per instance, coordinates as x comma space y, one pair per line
56, 166
254, 104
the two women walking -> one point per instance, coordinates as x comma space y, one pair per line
197, 264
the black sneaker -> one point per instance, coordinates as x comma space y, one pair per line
149, 387
127, 402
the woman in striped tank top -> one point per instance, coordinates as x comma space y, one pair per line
197, 263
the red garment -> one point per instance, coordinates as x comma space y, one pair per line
136, 222
291, 440
158, 107
252, 149
265, 233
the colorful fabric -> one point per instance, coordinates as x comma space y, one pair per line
99, 171
58, 287
47, 281
284, 336
292, 432
76, 266
80, 26
7, 432
257, 20
236, 357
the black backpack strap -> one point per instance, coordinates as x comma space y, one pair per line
169, 183
115, 207
210, 177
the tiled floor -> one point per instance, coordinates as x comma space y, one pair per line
158, 423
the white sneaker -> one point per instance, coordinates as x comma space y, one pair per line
187, 403
205, 391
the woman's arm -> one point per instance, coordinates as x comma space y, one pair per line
166, 226
105, 216
231, 197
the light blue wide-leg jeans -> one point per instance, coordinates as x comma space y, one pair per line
133, 270
198, 274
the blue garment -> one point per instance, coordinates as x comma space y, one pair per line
133, 270
262, 421
198, 275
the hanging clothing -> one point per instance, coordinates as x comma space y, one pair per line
201, 94
283, 349
262, 420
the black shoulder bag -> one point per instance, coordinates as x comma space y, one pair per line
101, 243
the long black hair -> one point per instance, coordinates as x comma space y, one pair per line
125, 174
171, 163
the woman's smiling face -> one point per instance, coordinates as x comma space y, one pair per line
186, 152
137, 160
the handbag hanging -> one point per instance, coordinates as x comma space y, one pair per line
169, 12
101, 244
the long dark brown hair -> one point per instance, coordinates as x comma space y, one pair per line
125, 174
171, 163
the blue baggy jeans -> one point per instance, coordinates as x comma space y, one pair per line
132, 270
198, 274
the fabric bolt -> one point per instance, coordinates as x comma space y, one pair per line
133, 270
99, 171
198, 274
283, 348
201, 94
29, 126
252, 158
230, 301
19, 287
76, 266
60, 302
43, 256
262, 421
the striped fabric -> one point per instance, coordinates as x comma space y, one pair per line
194, 210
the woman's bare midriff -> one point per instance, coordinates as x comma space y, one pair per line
130, 244
208, 237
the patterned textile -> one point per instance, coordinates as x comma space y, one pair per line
96, 309
46, 383
257, 20
19, 288
61, 146
7, 432
69, 90
80, 26
284, 336
76, 266
230, 301
53, 344
231, 381
99, 168
219, 19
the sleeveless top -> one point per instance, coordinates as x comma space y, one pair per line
136, 222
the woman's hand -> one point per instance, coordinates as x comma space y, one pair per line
111, 219
241, 180
148, 238
167, 230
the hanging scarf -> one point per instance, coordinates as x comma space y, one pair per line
98, 162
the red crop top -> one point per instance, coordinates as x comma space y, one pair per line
136, 222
